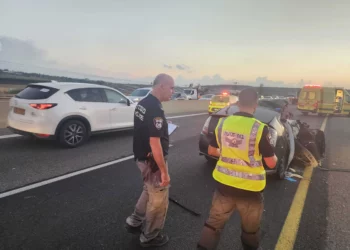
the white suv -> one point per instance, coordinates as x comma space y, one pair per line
69, 112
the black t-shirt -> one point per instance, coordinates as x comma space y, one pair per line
149, 121
265, 149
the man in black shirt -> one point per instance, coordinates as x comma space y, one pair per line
151, 145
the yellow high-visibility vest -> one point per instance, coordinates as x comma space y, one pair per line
240, 163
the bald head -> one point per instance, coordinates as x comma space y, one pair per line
162, 79
163, 87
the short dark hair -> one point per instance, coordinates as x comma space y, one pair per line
248, 97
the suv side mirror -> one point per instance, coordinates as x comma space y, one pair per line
128, 102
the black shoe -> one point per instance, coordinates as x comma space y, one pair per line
158, 241
133, 230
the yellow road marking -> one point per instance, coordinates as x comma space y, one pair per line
290, 228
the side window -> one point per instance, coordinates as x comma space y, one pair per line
86, 95
114, 97
303, 95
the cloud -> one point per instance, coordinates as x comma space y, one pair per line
13, 49
182, 67
205, 80
167, 66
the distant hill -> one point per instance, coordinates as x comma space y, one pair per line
22, 78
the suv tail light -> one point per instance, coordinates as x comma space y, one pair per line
43, 106
206, 126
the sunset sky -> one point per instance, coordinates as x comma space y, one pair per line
281, 41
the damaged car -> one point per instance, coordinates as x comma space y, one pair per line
292, 140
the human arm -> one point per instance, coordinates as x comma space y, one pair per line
267, 150
158, 156
156, 123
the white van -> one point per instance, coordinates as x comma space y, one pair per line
192, 94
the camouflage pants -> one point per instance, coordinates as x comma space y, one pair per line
250, 208
151, 208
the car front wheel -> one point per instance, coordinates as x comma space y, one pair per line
73, 134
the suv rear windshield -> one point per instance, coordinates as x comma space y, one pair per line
220, 98
36, 92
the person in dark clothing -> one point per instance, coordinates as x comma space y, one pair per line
242, 143
150, 146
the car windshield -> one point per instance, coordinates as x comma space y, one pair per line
188, 91
220, 98
139, 92
36, 92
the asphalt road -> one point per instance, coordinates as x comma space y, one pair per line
88, 211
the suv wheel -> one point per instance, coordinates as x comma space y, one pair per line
73, 133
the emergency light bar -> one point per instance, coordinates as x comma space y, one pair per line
313, 86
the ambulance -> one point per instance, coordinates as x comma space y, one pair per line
322, 100
221, 101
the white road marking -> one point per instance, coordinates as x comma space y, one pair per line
324, 123
173, 117
181, 116
66, 176
9, 136
62, 177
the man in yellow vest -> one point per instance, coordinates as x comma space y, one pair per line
242, 143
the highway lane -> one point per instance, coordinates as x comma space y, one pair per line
25, 161
88, 211
325, 220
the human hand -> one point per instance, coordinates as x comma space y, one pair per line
165, 179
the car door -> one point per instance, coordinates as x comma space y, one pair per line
91, 104
121, 110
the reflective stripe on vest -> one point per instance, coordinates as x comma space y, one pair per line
221, 123
252, 140
240, 164
242, 175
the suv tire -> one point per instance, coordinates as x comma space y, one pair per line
73, 133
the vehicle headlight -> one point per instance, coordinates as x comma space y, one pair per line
273, 137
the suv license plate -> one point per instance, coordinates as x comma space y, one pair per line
19, 111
